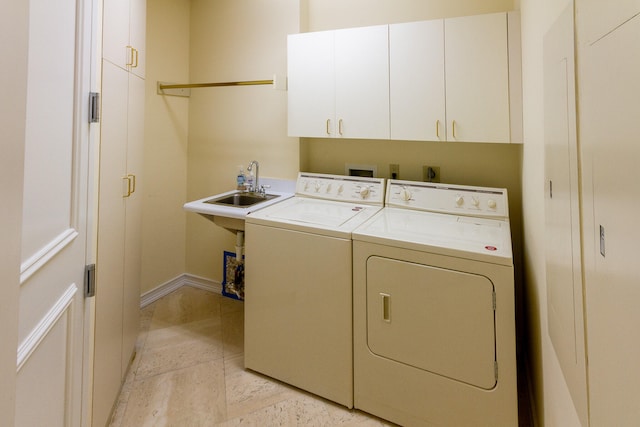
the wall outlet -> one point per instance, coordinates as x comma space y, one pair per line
394, 171
431, 173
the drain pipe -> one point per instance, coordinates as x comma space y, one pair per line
239, 245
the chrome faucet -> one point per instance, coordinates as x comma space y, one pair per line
255, 188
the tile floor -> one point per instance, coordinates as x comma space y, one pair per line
189, 372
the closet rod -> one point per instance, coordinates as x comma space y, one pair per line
165, 88
191, 85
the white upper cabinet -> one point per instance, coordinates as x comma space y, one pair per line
477, 78
416, 74
311, 84
124, 34
338, 83
362, 82
443, 80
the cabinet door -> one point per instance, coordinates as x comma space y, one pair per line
416, 78
124, 34
137, 35
477, 78
609, 129
362, 82
115, 32
311, 89
110, 254
133, 221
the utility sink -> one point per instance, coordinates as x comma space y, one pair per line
229, 209
241, 199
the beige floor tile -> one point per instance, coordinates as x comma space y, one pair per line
189, 372
192, 396
185, 305
248, 391
180, 346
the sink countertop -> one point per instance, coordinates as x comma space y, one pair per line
282, 188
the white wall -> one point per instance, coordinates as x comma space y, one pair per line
554, 406
235, 40
165, 146
14, 25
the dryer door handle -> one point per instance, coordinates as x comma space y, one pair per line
386, 307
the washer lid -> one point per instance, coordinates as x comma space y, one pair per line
481, 239
303, 213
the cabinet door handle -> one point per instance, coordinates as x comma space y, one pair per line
438, 128
328, 124
130, 60
135, 61
128, 191
340, 126
132, 179
453, 128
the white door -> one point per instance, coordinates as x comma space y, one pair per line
416, 78
311, 87
477, 78
433, 319
51, 345
362, 82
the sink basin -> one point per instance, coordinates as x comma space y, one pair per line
241, 200
228, 210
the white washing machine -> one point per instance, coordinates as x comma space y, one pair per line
298, 283
434, 321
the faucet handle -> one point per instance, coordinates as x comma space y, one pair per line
263, 189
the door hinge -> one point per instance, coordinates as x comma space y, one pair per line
89, 280
94, 107
495, 369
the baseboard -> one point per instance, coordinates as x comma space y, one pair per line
175, 284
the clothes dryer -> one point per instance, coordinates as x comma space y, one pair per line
434, 321
298, 283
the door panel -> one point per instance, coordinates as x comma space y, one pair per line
416, 74
133, 221
609, 127
362, 82
311, 85
111, 249
434, 319
562, 220
55, 212
477, 78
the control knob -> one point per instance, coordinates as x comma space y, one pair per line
405, 194
459, 200
492, 204
318, 185
364, 192
475, 201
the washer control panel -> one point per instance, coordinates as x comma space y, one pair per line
341, 188
448, 198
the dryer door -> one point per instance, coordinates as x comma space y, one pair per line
433, 319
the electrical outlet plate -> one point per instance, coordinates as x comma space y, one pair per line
431, 173
394, 171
